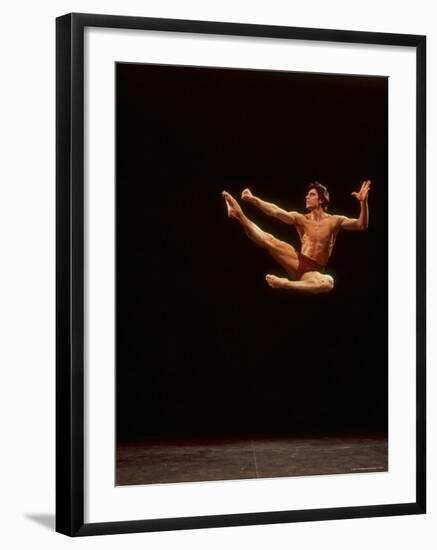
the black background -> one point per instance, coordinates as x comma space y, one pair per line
203, 345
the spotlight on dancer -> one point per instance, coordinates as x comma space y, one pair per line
317, 231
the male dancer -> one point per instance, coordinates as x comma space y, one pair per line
317, 231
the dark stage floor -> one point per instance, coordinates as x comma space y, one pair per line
160, 460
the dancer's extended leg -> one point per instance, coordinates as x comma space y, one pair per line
282, 252
256, 234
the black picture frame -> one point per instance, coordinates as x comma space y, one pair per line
70, 272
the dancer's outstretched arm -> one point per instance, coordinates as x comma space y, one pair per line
362, 222
271, 209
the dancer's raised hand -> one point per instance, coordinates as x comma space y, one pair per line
246, 195
363, 192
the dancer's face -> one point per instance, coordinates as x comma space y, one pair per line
312, 199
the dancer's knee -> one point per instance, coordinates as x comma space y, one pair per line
327, 284
320, 284
269, 240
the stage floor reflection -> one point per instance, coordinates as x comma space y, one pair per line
248, 456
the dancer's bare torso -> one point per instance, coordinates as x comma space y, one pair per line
317, 236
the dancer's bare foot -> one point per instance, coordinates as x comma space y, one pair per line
277, 282
234, 210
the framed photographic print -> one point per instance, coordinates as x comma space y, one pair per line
240, 274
